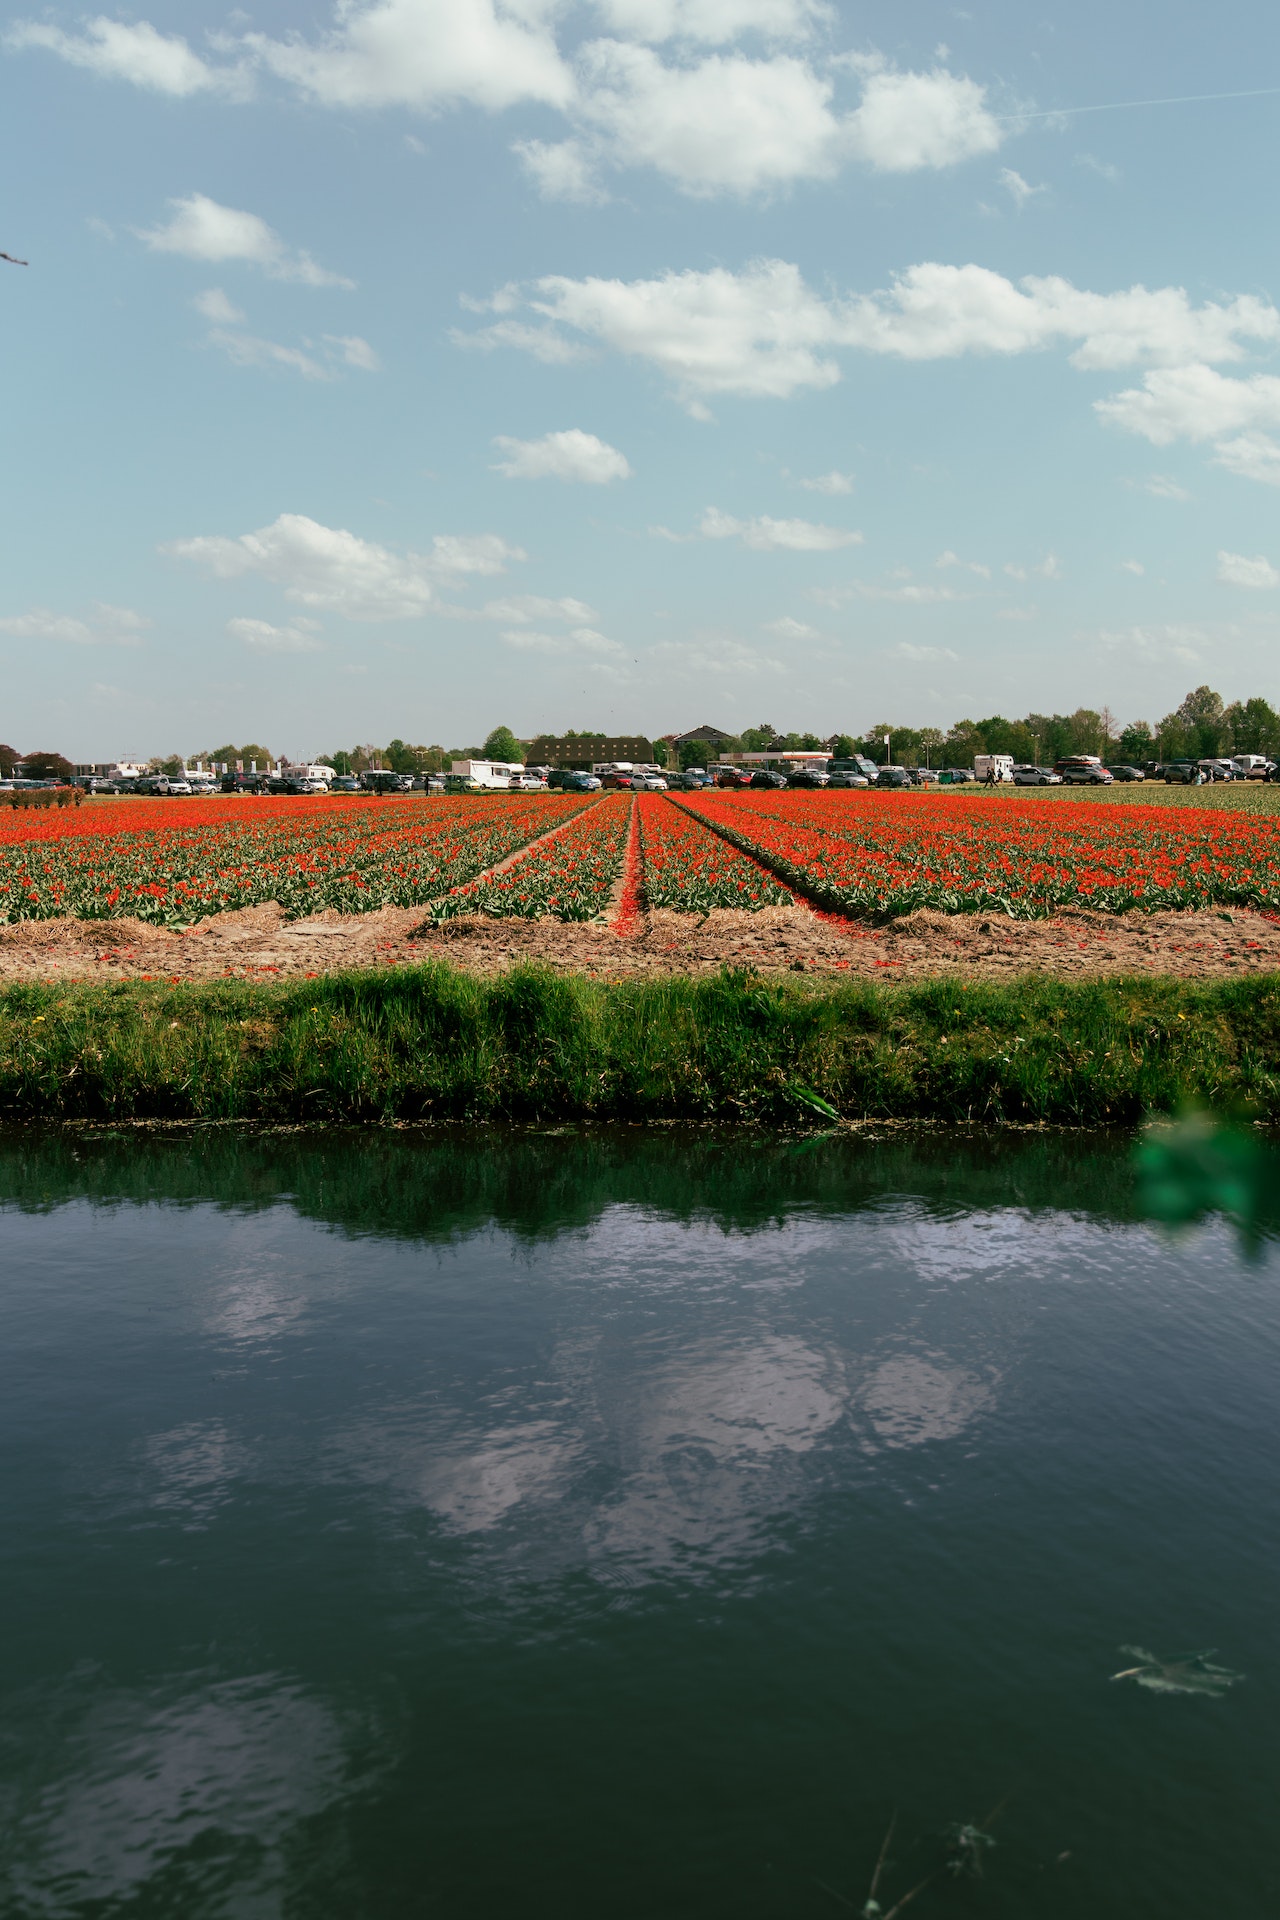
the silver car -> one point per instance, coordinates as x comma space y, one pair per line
1036, 777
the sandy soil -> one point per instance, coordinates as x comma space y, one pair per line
259, 943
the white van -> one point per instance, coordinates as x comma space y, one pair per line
993, 766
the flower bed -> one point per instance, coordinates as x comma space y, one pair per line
692, 870
569, 877
876, 856
176, 861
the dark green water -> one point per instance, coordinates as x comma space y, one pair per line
625, 1525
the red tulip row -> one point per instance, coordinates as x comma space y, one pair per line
879, 856
569, 876
692, 870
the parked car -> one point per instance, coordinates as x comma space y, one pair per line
461, 783
734, 777
766, 777
859, 766
924, 776
1120, 770
1217, 769
1251, 766
693, 779
651, 782
345, 783
520, 783
809, 778
843, 779
1181, 773
893, 777
955, 776
580, 782
1083, 770
1036, 777
613, 782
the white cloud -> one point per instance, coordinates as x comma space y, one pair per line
912, 120
1132, 566
723, 656
562, 170
251, 350
1050, 568
201, 229
1156, 645
569, 455
830, 483
354, 351
1198, 403
789, 629
728, 124
1164, 487
133, 51
580, 640
721, 122
906, 651
713, 21
764, 333
327, 567
1020, 191
109, 626
525, 607
1018, 613
298, 638
1237, 570
215, 306
769, 536
950, 559
425, 54
1103, 168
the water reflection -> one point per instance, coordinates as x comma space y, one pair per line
193, 1796
417, 1524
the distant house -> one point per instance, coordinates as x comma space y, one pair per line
714, 736
548, 751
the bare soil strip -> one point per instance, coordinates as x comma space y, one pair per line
260, 942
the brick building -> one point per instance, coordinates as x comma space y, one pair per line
548, 751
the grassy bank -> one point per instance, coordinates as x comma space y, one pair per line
435, 1043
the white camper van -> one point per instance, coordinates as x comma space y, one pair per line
993, 766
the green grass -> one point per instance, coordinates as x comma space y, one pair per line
436, 1043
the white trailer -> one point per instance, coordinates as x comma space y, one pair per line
993, 766
488, 773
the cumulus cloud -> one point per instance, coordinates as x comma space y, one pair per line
830, 483
950, 559
330, 568
713, 21
1237, 570
201, 229
1020, 191
215, 306
1132, 566
789, 629
568, 455
576, 640
1162, 486
769, 536
524, 608
1050, 568
908, 121
300, 637
1155, 646
134, 52
722, 121
1197, 403
906, 651
722, 656
108, 626
763, 332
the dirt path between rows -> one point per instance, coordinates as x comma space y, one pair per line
258, 942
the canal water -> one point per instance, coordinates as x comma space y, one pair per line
629, 1524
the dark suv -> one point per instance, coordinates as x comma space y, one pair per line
1081, 770
765, 777
894, 777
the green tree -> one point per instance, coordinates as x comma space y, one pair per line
695, 753
1201, 713
9, 759
174, 767
931, 739
845, 747
1253, 726
502, 744
1137, 743
263, 755
661, 753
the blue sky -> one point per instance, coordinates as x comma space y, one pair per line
440, 362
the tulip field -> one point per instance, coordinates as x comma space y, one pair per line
866, 856
874, 856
